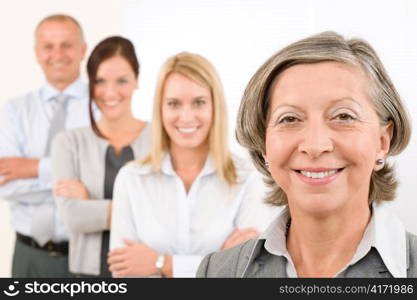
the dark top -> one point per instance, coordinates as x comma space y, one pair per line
113, 163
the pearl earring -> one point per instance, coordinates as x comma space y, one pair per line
380, 162
266, 165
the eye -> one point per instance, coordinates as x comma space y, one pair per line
66, 45
99, 81
345, 118
199, 102
173, 103
122, 80
287, 120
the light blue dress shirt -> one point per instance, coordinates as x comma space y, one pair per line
24, 128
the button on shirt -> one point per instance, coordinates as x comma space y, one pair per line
155, 209
384, 232
24, 129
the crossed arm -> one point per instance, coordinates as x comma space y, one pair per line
13, 168
137, 259
19, 173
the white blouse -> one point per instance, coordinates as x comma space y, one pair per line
155, 209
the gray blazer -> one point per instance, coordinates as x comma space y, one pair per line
250, 259
79, 153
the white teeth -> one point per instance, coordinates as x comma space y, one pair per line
58, 65
111, 103
187, 130
318, 174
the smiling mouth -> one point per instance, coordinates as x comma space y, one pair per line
187, 129
110, 103
319, 175
58, 64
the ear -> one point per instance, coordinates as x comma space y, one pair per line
385, 141
37, 52
83, 49
386, 136
137, 83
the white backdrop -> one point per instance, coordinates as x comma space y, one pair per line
236, 35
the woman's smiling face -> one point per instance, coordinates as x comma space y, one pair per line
114, 87
323, 136
187, 112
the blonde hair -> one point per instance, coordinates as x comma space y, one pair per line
201, 71
326, 46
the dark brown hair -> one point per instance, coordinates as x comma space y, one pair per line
108, 48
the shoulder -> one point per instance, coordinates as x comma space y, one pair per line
76, 134
412, 255
21, 103
145, 133
132, 179
227, 263
134, 169
77, 140
142, 143
412, 240
245, 170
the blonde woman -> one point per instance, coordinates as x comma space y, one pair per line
190, 196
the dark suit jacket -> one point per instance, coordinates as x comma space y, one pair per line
250, 259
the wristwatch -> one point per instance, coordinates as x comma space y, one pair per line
159, 264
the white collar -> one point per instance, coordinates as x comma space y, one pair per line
168, 169
76, 90
384, 232
390, 239
208, 168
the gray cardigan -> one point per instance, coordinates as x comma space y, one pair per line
79, 153
250, 259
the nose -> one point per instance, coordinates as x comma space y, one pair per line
187, 114
58, 53
109, 92
316, 139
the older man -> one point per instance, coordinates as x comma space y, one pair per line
27, 126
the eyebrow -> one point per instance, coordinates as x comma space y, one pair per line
118, 77
332, 102
195, 98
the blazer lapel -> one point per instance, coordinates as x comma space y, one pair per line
371, 266
262, 264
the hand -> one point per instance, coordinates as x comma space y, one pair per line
239, 236
136, 259
71, 188
17, 168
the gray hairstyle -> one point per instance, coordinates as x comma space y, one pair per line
62, 18
323, 47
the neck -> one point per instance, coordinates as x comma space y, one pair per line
127, 123
186, 159
61, 85
321, 246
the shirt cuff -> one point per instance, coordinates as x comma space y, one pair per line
44, 172
185, 265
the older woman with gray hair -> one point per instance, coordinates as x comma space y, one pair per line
320, 119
